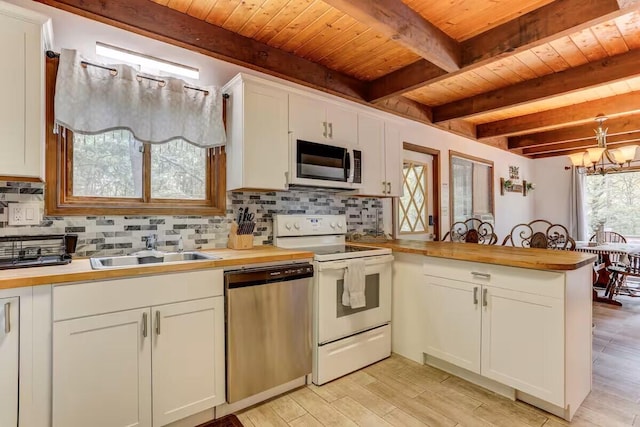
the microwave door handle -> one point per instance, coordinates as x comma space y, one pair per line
347, 165
349, 171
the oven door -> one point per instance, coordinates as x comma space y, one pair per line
335, 320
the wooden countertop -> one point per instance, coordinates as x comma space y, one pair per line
538, 259
79, 270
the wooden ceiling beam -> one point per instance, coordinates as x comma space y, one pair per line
162, 23
613, 106
621, 125
590, 75
581, 145
550, 22
399, 22
405, 107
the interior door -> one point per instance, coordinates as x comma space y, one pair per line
102, 370
453, 319
336, 320
9, 360
188, 358
414, 210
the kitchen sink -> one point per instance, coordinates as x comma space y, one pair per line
148, 257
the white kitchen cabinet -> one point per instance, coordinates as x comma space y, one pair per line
102, 370
453, 319
522, 332
382, 156
116, 364
24, 37
257, 135
9, 360
523, 342
314, 120
186, 346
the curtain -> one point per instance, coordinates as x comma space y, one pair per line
97, 99
577, 214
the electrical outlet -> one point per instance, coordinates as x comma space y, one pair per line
24, 213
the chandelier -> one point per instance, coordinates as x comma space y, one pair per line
601, 160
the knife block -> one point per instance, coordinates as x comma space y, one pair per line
239, 241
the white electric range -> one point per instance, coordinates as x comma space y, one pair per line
345, 338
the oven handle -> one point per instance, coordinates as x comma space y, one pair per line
341, 265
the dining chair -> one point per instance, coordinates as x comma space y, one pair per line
540, 233
628, 266
610, 237
472, 230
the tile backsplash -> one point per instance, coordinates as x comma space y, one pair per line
117, 235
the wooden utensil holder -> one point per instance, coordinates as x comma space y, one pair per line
239, 241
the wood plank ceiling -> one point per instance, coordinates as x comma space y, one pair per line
528, 76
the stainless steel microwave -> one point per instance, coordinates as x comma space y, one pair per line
324, 165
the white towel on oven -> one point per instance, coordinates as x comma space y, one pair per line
354, 284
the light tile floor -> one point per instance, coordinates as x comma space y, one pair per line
399, 392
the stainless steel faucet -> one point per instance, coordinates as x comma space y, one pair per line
152, 242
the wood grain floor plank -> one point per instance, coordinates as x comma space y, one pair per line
264, 416
287, 408
358, 413
307, 420
320, 409
457, 410
399, 418
365, 397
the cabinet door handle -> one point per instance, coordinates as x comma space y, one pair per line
388, 188
384, 187
481, 275
475, 295
157, 322
331, 130
325, 129
144, 324
7, 317
484, 297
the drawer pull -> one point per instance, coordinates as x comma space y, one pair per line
481, 275
144, 324
7, 317
475, 295
484, 297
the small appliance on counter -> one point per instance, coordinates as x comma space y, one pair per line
36, 250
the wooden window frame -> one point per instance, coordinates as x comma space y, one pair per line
474, 159
59, 199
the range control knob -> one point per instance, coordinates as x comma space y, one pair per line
288, 226
340, 225
333, 225
297, 225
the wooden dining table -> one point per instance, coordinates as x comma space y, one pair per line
601, 274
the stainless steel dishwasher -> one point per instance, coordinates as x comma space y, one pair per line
268, 327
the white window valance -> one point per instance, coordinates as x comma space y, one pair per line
94, 99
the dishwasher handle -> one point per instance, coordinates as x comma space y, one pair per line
265, 275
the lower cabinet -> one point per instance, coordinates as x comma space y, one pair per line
514, 338
529, 330
138, 367
9, 360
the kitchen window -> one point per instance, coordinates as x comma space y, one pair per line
471, 187
113, 173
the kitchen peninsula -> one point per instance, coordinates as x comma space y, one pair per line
514, 320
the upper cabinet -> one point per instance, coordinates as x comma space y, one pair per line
380, 143
314, 120
257, 136
24, 37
